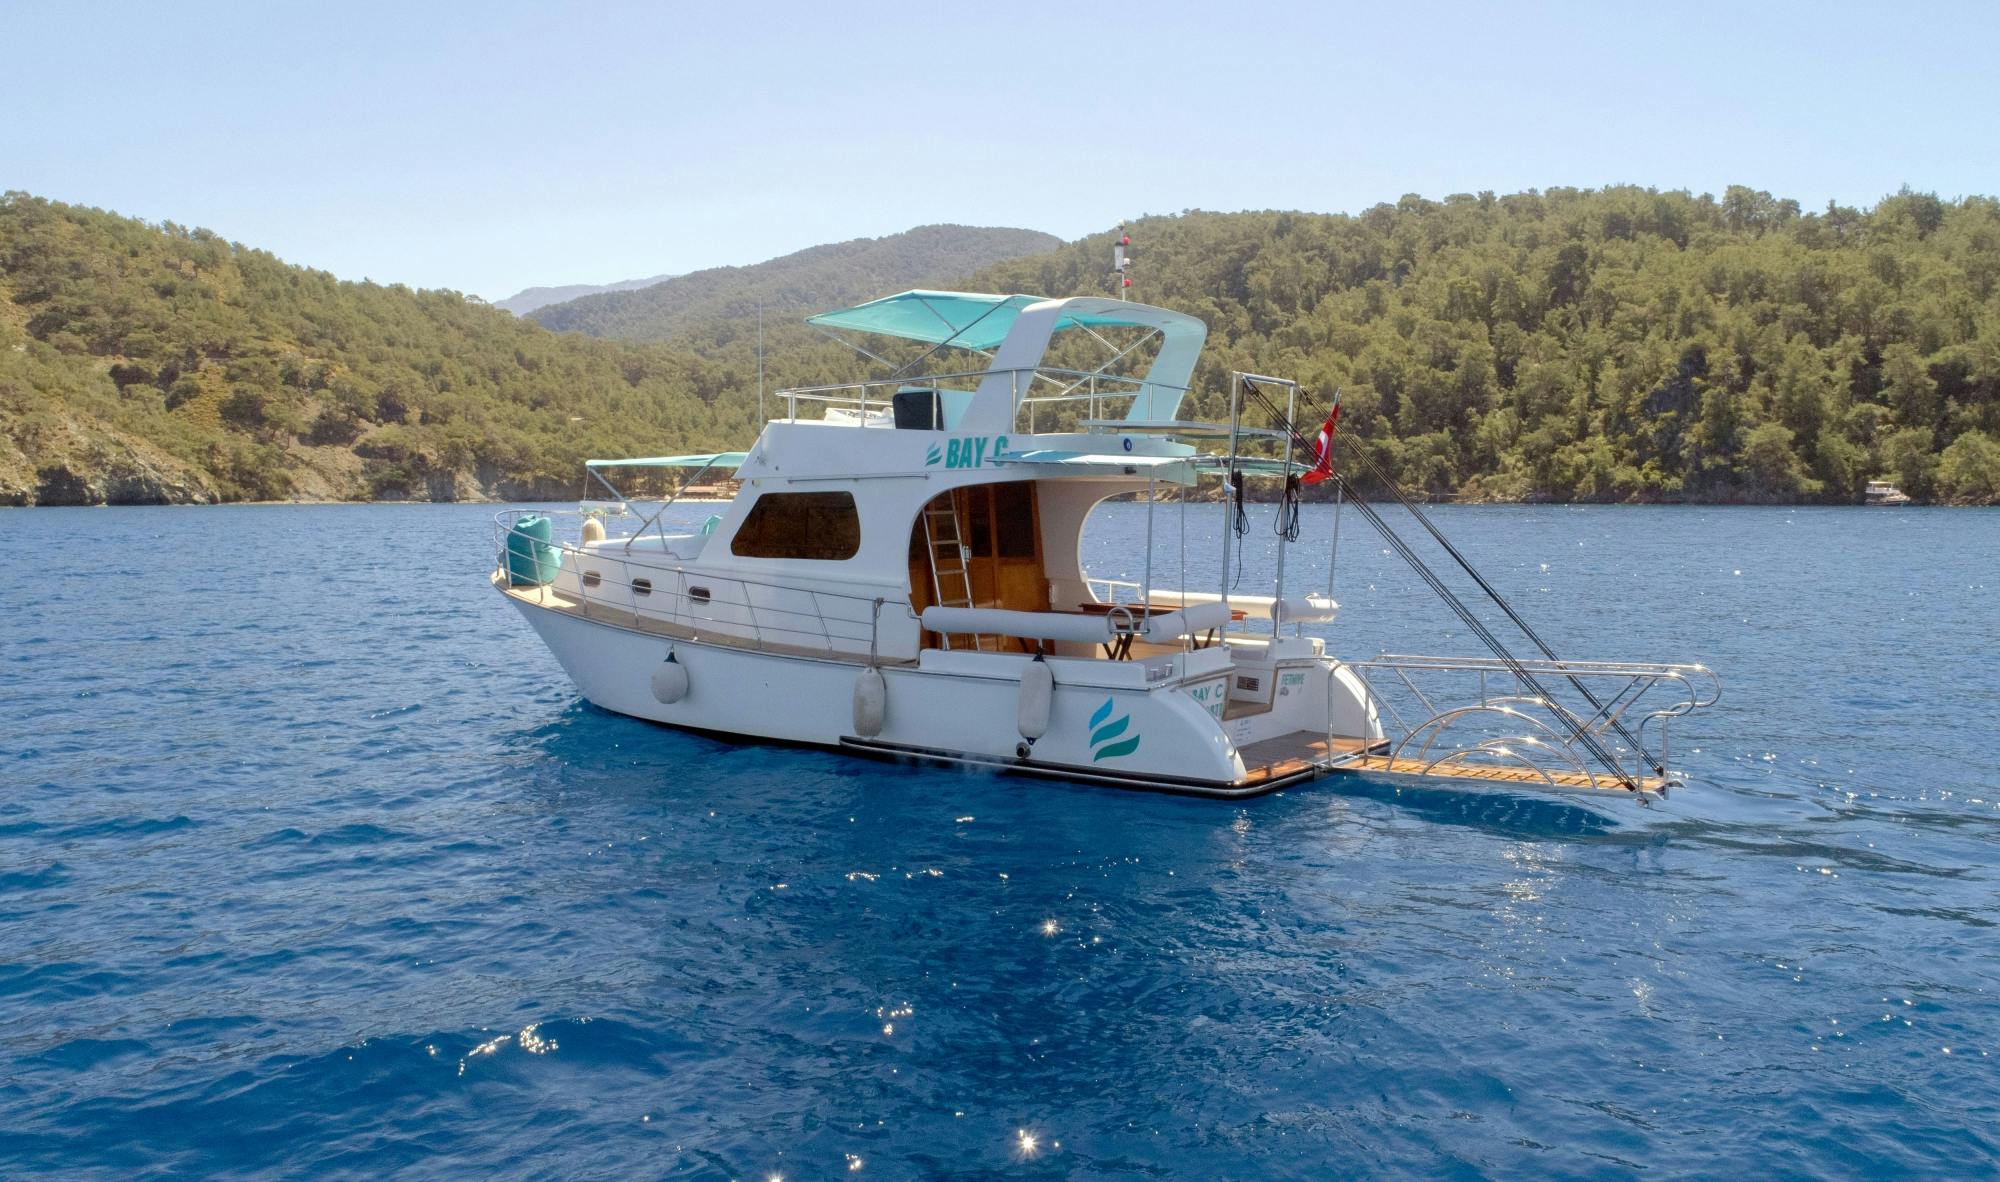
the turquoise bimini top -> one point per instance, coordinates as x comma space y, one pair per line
1014, 330
970, 319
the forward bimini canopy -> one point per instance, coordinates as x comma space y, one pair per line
975, 320
966, 319
1017, 328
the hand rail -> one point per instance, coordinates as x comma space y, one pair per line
819, 622
1698, 687
856, 394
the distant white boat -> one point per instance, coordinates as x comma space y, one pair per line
1881, 492
902, 573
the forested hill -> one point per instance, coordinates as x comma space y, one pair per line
1621, 344
795, 285
143, 363
1607, 345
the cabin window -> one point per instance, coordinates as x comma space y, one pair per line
642, 586
820, 526
591, 578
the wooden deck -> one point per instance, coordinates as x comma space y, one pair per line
1500, 774
1296, 754
1305, 752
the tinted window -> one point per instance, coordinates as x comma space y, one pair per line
818, 525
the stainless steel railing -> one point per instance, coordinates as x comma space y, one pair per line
839, 624
1095, 391
1533, 731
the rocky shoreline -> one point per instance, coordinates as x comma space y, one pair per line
76, 461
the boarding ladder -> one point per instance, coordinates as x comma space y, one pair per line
945, 544
1589, 731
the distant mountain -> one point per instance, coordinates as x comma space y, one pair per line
523, 302
810, 280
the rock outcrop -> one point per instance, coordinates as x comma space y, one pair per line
70, 460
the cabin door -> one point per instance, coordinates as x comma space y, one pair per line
1001, 528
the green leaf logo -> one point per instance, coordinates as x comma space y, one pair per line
1104, 740
932, 456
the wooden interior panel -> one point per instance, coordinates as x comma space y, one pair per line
1001, 526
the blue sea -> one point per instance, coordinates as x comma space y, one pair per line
312, 864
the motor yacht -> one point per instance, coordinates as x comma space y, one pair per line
902, 573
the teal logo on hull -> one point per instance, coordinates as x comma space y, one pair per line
1104, 735
933, 456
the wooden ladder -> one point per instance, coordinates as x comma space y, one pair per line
945, 544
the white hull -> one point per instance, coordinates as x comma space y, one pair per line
963, 707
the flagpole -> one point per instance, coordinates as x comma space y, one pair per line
1339, 492
1333, 552
1278, 583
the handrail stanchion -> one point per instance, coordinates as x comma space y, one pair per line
1278, 584
1229, 488
1333, 550
1147, 595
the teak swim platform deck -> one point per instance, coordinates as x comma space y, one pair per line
1274, 762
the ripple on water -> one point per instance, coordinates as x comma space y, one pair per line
370, 893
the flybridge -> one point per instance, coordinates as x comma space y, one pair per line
1012, 333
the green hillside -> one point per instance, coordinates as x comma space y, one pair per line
794, 285
149, 363
1607, 345
1622, 344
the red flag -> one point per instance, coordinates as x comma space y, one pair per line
1323, 466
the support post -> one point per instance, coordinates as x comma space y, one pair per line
1229, 483
1278, 589
1333, 551
1146, 592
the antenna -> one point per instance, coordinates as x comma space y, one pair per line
760, 363
1119, 261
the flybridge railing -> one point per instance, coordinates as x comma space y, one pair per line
839, 624
871, 403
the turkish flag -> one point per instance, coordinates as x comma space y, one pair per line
1323, 466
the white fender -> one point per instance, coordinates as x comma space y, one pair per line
593, 530
670, 680
871, 702
1038, 689
1304, 609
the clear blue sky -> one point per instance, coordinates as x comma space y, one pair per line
492, 146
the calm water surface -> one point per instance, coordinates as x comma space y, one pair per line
312, 864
